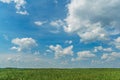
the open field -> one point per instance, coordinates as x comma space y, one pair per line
59, 74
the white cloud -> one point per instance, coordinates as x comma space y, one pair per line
100, 48
39, 23
23, 12
68, 41
61, 52
111, 56
117, 42
92, 34
19, 5
23, 44
93, 20
57, 24
83, 55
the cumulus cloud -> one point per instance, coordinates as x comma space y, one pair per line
39, 23
93, 20
23, 44
83, 55
61, 52
100, 48
117, 43
111, 56
57, 24
19, 5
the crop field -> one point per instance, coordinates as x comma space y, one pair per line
59, 74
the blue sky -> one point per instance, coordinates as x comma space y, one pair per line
59, 33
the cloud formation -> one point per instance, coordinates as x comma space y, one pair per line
117, 42
57, 24
39, 23
19, 5
83, 55
23, 44
61, 52
111, 56
93, 20
101, 49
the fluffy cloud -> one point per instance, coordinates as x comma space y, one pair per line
57, 25
111, 56
83, 55
19, 5
93, 20
39, 23
61, 52
100, 48
117, 42
23, 44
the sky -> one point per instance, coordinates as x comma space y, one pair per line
60, 33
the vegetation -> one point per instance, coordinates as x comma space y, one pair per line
59, 74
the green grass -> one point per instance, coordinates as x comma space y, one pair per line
59, 74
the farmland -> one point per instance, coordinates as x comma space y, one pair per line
60, 74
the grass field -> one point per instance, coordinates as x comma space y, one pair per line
59, 74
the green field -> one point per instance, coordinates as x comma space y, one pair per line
59, 74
